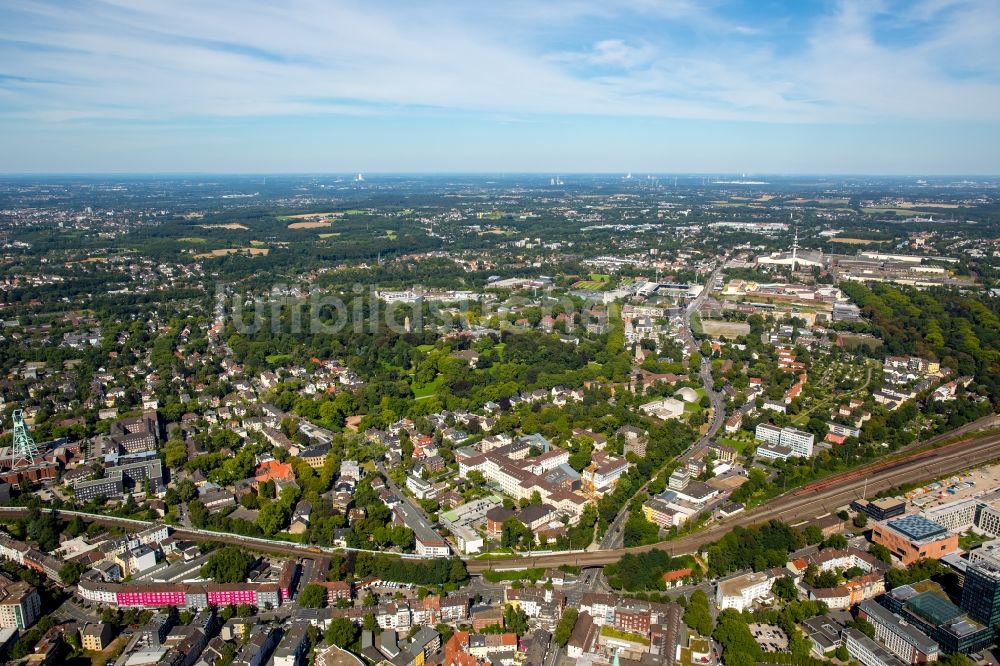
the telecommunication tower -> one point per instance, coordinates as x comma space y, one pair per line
23, 451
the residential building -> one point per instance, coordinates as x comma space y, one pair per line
96, 637
800, 442
291, 651
20, 605
603, 473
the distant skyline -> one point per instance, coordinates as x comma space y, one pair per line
562, 86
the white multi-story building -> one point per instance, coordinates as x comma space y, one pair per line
740, 592
604, 471
988, 520
92, 588
350, 469
867, 651
420, 488
957, 516
600, 606
903, 640
800, 442
768, 433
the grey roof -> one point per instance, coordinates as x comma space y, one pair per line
917, 528
896, 625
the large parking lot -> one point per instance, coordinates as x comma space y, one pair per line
769, 637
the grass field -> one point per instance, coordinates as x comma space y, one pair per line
425, 348
741, 444
730, 329
427, 390
599, 277
590, 285
277, 358
192, 239
330, 235
852, 342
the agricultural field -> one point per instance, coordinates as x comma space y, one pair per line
730, 329
857, 241
309, 216
224, 252
232, 226
313, 224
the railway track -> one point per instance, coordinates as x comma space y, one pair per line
792, 507
801, 504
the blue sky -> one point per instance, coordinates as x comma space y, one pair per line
850, 86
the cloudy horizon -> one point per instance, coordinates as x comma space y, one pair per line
570, 85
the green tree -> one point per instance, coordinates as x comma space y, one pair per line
70, 573
458, 573
697, 615
813, 535
784, 588
565, 627
515, 620
881, 552
370, 622
864, 626
954, 659
341, 632
835, 541
312, 596
228, 564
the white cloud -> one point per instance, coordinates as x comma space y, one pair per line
150, 60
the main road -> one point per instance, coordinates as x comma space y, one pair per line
803, 504
700, 448
616, 530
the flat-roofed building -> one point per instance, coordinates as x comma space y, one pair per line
880, 509
912, 538
741, 592
926, 606
957, 516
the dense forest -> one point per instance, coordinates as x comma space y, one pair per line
961, 331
